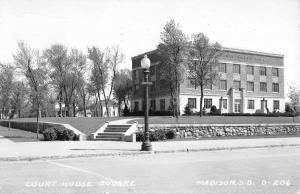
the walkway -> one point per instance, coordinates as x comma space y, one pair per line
14, 150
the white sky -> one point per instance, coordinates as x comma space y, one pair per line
135, 25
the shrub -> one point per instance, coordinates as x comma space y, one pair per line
162, 113
170, 134
140, 136
59, 133
187, 110
126, 111
49, 134
158, 135
214, 110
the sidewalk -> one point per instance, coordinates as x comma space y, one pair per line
12, 151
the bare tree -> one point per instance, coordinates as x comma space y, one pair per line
172, 50
203, 57
104, 71
33, 67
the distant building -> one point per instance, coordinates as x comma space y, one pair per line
250, 82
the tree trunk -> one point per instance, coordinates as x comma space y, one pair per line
84, 108
201, 100
178, 101
97, 115
74, 109
37, 120
119, 107
106, 105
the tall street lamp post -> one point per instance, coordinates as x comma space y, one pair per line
145, 64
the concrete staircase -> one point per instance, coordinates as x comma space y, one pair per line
113, 133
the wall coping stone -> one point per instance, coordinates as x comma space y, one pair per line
222, 125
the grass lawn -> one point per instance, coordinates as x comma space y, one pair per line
85, 125
17, 135
218, 120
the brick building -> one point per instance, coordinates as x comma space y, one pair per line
249, 82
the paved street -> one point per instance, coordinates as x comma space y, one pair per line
270, 170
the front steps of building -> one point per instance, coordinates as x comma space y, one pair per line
115, 132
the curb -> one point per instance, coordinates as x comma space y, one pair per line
135, 153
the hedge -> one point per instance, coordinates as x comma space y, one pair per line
59, 133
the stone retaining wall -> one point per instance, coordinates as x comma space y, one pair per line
217, 130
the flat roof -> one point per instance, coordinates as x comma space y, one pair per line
235, 50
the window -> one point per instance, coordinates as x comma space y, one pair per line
144, 105
192, 102
136, 106
162, 84
263, 71
263, 86
152, 105
236, 85
222, 68
223, 85
275, 87
275, 104
162, 104
136, 74
208, 86
250, 104
224, 103
275, 72
250, 70
152, 87
236, 68
237, 105
207, 102
250, 86
191, 83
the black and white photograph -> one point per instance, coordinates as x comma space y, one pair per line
150, 96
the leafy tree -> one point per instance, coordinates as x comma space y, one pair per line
294, 94
19, 97
203, 57
6, 86
34, 68
172, 49
57, 58
67, 69
123, 88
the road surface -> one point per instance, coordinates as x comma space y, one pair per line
272, 170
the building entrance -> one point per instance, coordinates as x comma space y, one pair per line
237, 106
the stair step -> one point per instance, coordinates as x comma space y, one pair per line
118, 125
109, 136
109, 139
110, 133
114, 130
125, 128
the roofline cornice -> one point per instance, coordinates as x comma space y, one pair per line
235, 50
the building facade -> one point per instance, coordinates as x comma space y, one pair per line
250, 82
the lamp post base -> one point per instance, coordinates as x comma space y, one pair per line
146, 146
